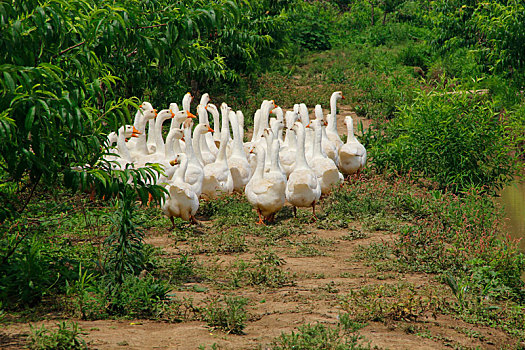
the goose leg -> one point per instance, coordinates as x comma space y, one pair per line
260, 222
294, 211
314, 217
193, 220
172, 223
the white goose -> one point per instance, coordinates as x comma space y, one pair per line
264, 195
240, 168
124, 156
304, 117
211, 140
139, 148
329, 149
352, 155
323, 167
182, 202
303, 188
207, 156
195, 172
288, 150
216, 137
217, 176
331, 128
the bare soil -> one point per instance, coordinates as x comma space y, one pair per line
273, 311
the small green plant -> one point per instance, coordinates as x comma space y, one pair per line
394, 302
228, 314
66, 337
138, 297
318, 336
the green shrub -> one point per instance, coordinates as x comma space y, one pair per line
138, 297
458, 140
230, 317
417, 55
311, 29
36, 268
318, 336
66, 337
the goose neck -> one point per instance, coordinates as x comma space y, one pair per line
196, 144
122, 147
301, 157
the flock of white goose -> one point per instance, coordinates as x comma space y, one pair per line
270, 168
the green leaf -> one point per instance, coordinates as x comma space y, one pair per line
30, 117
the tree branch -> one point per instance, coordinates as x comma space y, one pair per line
153, 26
69, 49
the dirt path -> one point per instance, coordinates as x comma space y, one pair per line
319, 284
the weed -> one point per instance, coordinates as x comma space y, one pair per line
67, 336
138, 297
354, 234
228, 314
306, 250
390, 302
318, 336
266, 271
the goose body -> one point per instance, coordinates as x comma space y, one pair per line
181, 202
323, 167
194, 175
352, 155
303, 188
266, 196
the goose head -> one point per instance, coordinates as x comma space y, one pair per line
176, 133
129, 131
210, 107
224, 108
276, 125
319, 112
337, 95
174, 107
203, 128
349, 121
186, 101
165, 114
144, 106
205, 99
150, 114
278, 112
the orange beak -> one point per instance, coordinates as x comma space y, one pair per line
172, 114
140, 106
210, 129
274, 105
190, 115
182, 138
308, 125
135, 131
155, 111
325, 123
134, 135
342, 96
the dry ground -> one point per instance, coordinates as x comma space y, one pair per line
319, 283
